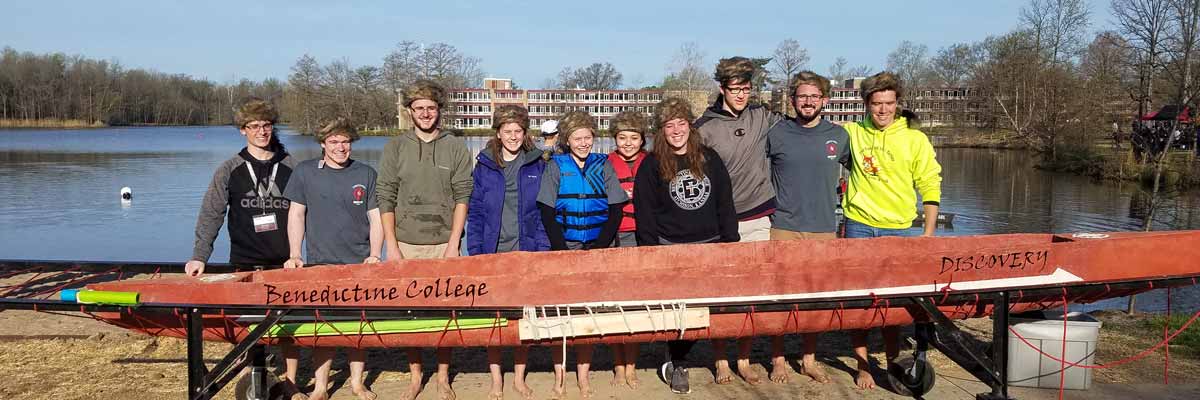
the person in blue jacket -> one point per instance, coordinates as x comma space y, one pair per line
503, 216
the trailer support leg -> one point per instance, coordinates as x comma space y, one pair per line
195, 354
960, 348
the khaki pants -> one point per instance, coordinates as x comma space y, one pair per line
780, 234
755, 230
422, 251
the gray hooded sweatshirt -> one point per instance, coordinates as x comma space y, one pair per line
421, 182
741, 141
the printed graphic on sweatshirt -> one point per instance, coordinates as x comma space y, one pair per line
831, 149
359, 192
688, 192
267, 196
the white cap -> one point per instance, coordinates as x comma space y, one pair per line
549, 127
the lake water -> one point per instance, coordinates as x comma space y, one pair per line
59, 194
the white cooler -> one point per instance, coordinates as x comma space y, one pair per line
1028, 368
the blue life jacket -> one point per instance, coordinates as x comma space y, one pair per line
582, 205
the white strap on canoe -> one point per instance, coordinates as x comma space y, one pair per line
625, 318
650, 315
594, 321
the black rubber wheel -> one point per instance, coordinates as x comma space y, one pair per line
241, 391
903, 381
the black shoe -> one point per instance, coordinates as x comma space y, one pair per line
679, 381
664, 372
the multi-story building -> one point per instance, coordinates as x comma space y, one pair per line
471, 108
936, 106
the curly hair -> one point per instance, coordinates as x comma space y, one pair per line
808, 78
880, 82
339, 126
734, 69
509, 113
633, 121
671, 109
255, 109
571, 122
424, 89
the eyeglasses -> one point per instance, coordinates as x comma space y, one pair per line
418, 110
808, 97
741, 90
259, 127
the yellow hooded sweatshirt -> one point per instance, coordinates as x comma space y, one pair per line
886, 165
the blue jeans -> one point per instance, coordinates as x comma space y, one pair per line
855, 229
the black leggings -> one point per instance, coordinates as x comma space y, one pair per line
679, 350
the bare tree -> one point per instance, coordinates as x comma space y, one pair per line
861, 71
839, 70
1143, 23
1184, 31
1104, 66
688, 70
953, 65
909, 61
597, 76
788, 59
1058, 27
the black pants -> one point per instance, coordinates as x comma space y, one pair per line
679, 350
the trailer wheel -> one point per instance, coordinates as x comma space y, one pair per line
910, 377
242, 390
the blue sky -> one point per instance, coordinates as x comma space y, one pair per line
528, 41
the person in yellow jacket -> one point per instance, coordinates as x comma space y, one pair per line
890, 158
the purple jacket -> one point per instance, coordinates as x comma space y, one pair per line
487, 202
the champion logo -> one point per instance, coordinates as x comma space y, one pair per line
359, 192
739, 132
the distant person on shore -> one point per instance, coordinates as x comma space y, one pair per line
808, 155
503, 214
890, 158
737, 131
549, 133
580, 202
683, 195
629, 132
424, 185
249, 189
334, 215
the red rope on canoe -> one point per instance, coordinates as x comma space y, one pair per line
21, 272
1123, 361
495, 327
1167, 348
1062, 372
458, 328
793, 315
837, 312
945, 289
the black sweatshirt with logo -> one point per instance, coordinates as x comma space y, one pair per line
231, 191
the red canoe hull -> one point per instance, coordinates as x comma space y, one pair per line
712, 274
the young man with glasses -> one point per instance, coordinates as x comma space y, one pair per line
808, 155
248, 187
737, 130
424, 186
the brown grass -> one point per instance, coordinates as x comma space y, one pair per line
49, 123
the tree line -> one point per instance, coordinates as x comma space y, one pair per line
62, 87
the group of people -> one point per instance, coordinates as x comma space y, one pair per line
737, 173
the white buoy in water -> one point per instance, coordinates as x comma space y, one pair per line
126, 194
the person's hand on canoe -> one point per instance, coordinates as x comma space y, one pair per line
294, 262
194, 267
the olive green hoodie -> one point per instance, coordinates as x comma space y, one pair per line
421, 182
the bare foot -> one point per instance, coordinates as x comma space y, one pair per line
445, 392
362, 393
414, 389
631, 378
724, 374
585, 387
864, 380
558, 393
618, 378
747, 373
523, 390
780, 370
497, 391
318, 396
814, 371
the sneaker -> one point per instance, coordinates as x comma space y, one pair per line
664, 372
679, 381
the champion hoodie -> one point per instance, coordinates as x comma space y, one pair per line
421, 182
741, 141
